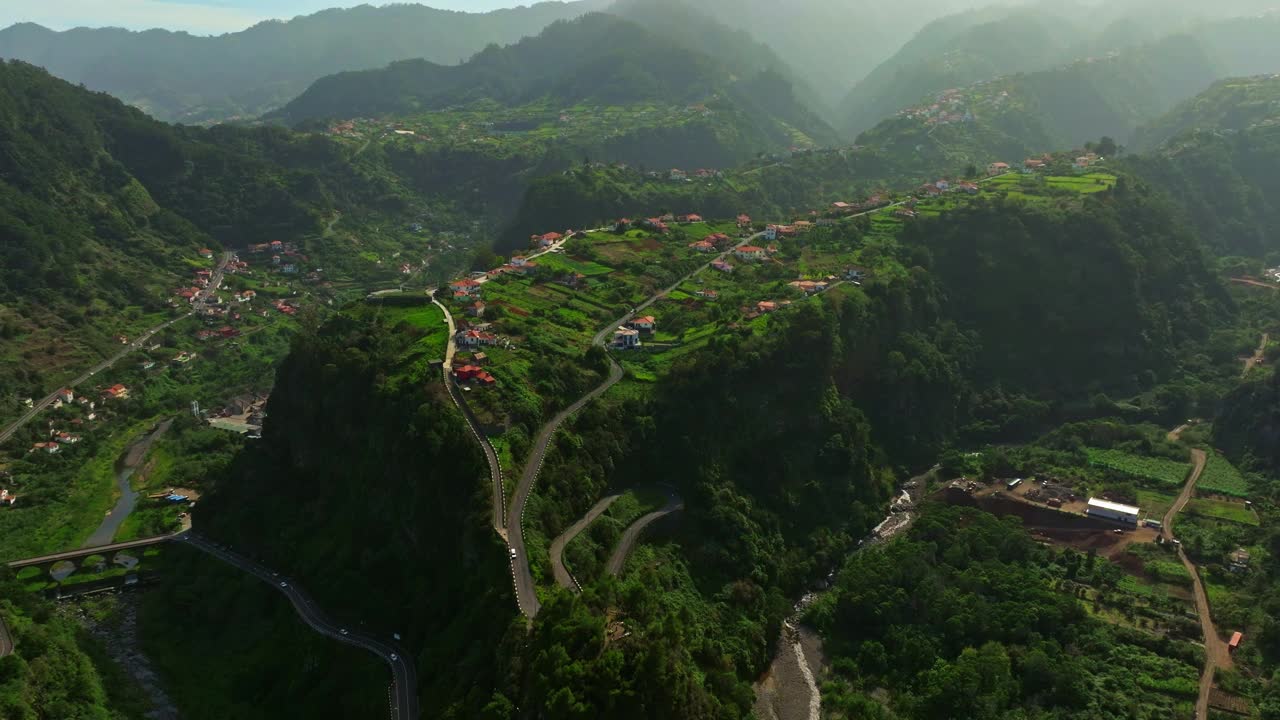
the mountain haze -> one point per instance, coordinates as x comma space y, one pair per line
182, 77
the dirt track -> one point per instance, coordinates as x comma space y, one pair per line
1257, 356
1216, 654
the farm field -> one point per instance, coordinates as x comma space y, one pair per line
1161, 470
1223, 510
1220, 476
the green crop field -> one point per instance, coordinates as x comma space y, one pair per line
1161, 470
1221, 476
1223, 510
1155, 504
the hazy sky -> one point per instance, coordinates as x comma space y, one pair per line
196, 16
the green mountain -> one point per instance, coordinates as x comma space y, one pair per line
177, 76
1229, 106
595, 60
1027, 114
832, 44
103, 211
985, 44
1220, 167
956, 51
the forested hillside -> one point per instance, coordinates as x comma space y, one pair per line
1217, 162
181, 77
1027, 114
1096, 296
56, 669
103, 209
1229, 106
597, 59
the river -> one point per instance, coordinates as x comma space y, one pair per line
789, 688
126, 466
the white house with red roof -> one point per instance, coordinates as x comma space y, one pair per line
702, 246
475, 338
66, 395
997, 168
466, 286
646, 323
750, 252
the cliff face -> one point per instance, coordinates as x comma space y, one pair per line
368, 489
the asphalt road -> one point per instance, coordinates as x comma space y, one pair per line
526, 595
632, 533
404, 698
562, 575
214, 281
490, 455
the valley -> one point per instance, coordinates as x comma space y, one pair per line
598, 360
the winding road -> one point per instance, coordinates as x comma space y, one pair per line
526, 592
632, 533
137, 344
404, 695
566, 579
1216, 654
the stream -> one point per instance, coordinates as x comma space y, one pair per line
126, 466
789, 688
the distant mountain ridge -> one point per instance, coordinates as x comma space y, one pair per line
597, 58
180, 77
1027, 114
996, 41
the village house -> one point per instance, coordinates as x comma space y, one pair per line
116, 392
466, 286
547, 240
626, 338
646, 323
766, 306
476, 338
997, 168
206, 253
472, 372
66, 438
808, 287
750, 252
856, 273
245, 296
904, 213
476, 309
1032, 164
48, 447
657, 224
7, 499
622, 225
66, 395
678, 174
708, 294
702, 246
147, 364
722, 266
744, 221
691, 218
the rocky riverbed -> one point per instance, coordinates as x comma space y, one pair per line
789, 689
113, 621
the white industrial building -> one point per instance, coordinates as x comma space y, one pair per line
1112, 511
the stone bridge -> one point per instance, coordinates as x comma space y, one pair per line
76, 557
